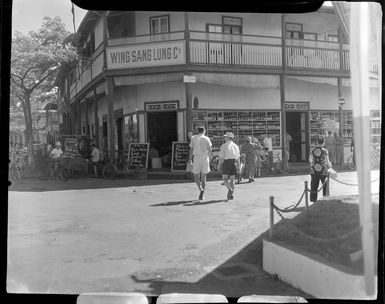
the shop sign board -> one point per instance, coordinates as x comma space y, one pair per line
146, 55
138, 155
180, 156
296, 106
162, 106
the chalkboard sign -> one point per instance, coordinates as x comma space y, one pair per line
138, 155
71, 147
180, 156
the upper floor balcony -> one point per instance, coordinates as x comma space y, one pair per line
198, 48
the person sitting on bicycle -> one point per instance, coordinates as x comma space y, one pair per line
56, 154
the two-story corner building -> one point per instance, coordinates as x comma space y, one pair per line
154, 76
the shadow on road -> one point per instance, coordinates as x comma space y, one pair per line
187, 203
37, 185
256, 282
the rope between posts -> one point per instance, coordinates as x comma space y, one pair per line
352, 184
323, 185
290, 210
339, 238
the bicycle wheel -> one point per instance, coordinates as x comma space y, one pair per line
351, 163
265, 168
66, 172
77, 171
109, 171
283, 166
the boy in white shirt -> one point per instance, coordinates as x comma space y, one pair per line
230, 163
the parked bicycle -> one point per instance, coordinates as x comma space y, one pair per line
374, 159
47, 170
280, 165
110, 169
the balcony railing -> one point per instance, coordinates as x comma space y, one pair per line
241, 50
92, 69
219, 49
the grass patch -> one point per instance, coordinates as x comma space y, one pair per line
328, 219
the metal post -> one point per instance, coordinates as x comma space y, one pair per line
271, 216
327, 185
306, 198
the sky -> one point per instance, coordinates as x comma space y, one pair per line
28, 15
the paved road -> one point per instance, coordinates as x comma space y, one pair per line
145, 236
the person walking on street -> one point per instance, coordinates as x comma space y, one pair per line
268, 143
319, 165
249, 149
200, 153
229, 163
95, 157
330, 145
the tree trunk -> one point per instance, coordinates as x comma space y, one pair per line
28, 127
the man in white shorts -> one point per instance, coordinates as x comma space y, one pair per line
201, 149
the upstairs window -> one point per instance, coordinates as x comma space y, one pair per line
333, 38
293, 30
232, 25
159, 24
310, 36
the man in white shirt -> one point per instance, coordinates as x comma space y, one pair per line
56, 154
268, 143
201, 149
229, 161
95, 157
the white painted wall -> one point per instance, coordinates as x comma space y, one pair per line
311, 276
166, 91
98, 30
227, 97
253, 24
315, 22
321, 96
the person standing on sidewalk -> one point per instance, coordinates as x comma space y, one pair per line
330, 145
319, 165
95, 157
230, 163
249, 149
268, 143
200, 149
339, 140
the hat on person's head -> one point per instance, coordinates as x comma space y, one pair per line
249, 138
229, 134
58, 143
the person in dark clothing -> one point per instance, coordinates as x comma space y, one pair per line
319, 166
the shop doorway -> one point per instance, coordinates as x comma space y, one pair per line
161, 132
297, 128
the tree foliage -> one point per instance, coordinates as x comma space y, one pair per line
36, 59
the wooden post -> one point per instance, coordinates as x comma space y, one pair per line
327, 185
306, 198
271, 216
110, 118
96, 119
282, 86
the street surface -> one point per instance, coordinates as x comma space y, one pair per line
150, 236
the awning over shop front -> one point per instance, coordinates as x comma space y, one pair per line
234, 80
237, 80
145, 79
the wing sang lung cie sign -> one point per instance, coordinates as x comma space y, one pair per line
146, 55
